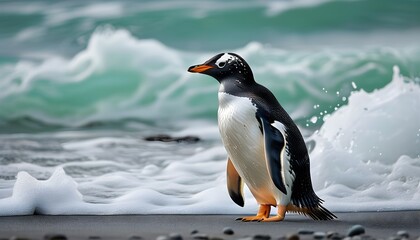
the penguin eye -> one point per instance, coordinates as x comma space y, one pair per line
221, 64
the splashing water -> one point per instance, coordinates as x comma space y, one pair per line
356, 165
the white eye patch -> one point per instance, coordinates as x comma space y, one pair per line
224, 59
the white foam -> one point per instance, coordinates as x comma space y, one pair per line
367, 154
366, 157
45, 197
60, 14
277, 7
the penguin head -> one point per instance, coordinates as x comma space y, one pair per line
225, 67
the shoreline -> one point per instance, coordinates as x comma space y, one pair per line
376, 224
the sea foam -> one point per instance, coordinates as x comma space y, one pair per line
366, 158
367, 154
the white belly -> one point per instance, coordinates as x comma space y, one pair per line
244, 144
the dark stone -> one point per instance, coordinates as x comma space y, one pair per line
175, 236
305, 232
55, 237
334, 235
201, 236
403, 234
261, 237
293, 237
228, 231
355, 230
94, 237
195, 231
319, 235
135, 238
167, 138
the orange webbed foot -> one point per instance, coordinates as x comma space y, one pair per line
273, 219
263, 213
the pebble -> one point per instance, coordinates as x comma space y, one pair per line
55, 237
201, 236
334, 235
293, 237
162, 237
135, 238
167, 138
261, 237
403, 234
355, 230
305, 232
228, 231
175, 236
319, 235
194, 231
257, 237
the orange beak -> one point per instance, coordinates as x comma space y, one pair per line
199, 68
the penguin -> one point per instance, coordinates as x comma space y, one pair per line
265, 148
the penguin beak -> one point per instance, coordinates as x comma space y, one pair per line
199, 68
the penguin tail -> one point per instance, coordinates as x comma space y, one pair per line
316, 213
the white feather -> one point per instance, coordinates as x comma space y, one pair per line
225, 58
244, 144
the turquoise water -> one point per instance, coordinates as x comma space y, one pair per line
105, 74
305, 51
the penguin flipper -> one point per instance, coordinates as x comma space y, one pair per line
274, 145
235, 184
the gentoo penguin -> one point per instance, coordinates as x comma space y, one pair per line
266, 150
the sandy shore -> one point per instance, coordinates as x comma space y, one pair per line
376, 224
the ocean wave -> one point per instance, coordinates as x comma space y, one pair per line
367, 153
366, 158
119, 77
67, 26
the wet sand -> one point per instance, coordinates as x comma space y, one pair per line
376, 224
